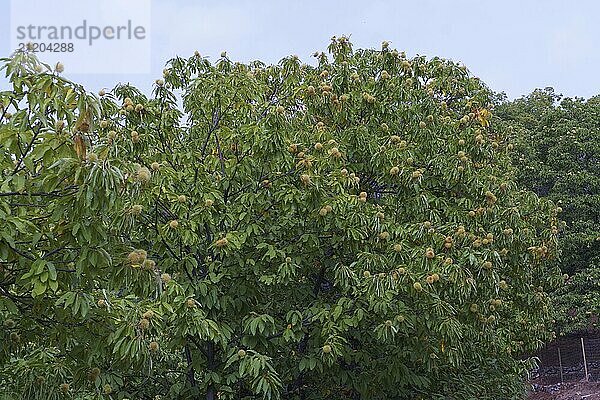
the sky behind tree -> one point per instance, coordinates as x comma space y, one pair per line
513, 46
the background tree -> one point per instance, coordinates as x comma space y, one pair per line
558, 157
350, 230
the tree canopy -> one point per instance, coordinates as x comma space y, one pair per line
346, 230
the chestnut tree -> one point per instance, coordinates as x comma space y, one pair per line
348, 229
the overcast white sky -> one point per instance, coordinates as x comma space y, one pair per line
514, 46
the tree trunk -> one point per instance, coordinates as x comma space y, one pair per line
190, 374
210, 355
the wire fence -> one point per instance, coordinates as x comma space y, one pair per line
568, 360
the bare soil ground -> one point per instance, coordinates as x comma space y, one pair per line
566, 391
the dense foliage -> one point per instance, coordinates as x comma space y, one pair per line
349, 230
558, 156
